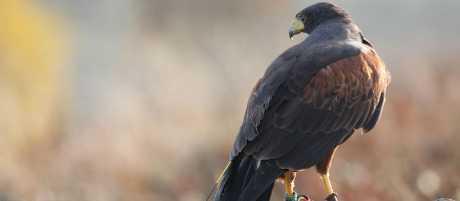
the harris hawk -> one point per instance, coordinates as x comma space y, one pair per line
309, 101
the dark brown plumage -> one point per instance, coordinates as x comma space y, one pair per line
310, 100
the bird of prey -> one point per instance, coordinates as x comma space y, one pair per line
309, 101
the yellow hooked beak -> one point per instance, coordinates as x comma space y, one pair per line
296, 28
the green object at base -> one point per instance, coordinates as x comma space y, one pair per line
292, 197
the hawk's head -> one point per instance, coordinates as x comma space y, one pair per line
309, 18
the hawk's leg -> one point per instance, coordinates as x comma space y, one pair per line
289, 178
323, 170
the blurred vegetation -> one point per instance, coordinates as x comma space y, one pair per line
141, 100
32, 52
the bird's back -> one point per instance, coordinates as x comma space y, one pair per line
312, 91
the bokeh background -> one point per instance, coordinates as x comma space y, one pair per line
115, 100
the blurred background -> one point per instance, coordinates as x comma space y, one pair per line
116, 100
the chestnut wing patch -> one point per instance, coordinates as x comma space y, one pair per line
347, 82
349, 90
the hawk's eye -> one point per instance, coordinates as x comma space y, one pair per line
301, 18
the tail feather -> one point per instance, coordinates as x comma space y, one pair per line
212, 194
246, 180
